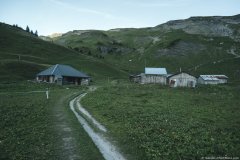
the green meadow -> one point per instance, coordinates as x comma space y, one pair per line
33, 127
157, 122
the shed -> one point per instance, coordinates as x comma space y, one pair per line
63, 74
212, 79
154, 75
182, 79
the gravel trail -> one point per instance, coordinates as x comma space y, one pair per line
108, 150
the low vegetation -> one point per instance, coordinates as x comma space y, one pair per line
25, 126
30, 124
156, 122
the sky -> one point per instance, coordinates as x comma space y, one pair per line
61, 16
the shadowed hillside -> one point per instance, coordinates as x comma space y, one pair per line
22, 55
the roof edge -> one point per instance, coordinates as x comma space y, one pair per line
181, 72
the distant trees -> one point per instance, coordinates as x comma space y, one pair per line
27, 30
31, 31
86, 51
36, 33
83, 50
16, 26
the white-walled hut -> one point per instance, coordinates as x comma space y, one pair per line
63, 74
212, 79
154, 75
182, 79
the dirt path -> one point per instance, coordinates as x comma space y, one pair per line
89, 116
25, 61
108, 150
67, 142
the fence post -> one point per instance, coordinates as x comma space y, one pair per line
47, 93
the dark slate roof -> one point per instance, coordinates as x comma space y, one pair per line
60, 70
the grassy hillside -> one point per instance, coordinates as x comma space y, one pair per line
199, 45
23, 55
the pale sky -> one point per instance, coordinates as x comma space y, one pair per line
60, 16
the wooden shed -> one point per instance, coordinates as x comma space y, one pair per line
63, 74
154, 75
212, 79
182, 79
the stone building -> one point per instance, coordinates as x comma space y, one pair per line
63, 74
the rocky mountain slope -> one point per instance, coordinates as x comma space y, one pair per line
199, 45
217, 26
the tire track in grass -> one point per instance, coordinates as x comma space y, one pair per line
89, 116
108, 150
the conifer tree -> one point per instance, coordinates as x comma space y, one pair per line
27, 29
36, 33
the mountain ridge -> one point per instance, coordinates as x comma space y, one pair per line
195, 42
235, 19
213, 26
118, 52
